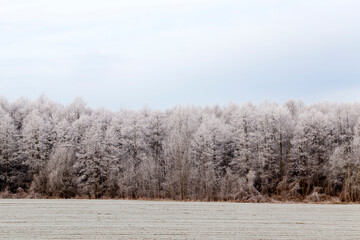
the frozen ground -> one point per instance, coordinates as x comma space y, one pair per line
120, 219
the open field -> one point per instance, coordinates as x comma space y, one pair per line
122, 219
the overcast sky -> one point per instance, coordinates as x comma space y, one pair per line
127, 53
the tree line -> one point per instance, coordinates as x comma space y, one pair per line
236, 152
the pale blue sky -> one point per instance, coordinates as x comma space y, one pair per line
117, 53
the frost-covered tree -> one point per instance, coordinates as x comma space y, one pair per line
154, 135
345, 168
206, 155
8, 146
248, 152
133, 135
60, 171
37, 141
178, 151
114, 156
93, 162
310, 149
243, 128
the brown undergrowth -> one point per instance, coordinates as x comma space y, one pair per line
314, 198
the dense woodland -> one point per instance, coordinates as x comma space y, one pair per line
244, 153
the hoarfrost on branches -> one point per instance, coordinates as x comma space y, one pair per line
246, 153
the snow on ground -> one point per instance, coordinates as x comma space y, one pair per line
122, 219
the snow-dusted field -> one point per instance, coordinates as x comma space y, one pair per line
120, 219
